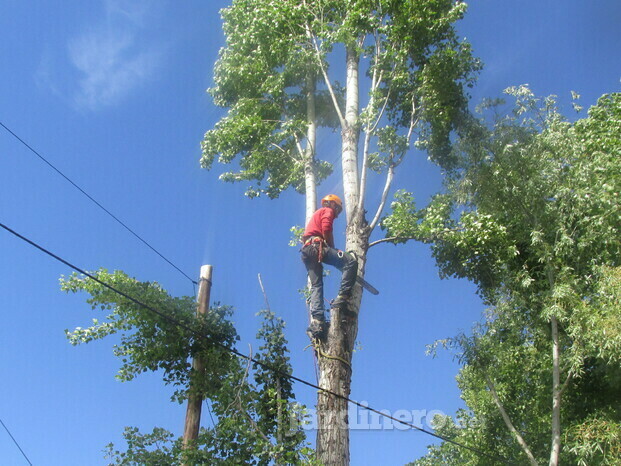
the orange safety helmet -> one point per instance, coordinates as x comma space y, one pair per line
334, 198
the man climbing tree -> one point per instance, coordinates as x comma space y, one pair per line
279, 76
318, 248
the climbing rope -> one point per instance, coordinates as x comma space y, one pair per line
316, 344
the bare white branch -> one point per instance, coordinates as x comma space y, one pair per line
368, 133
389, 177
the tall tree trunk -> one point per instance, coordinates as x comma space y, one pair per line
334, 361
556, 395
335, 354
309, 155
350, 135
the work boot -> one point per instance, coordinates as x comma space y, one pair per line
317, 330
340, 302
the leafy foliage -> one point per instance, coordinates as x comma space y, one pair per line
149, 342
257, 422
535, 224
596, 441
274, 61
261, 75
144, 449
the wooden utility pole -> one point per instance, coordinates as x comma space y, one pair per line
195, 400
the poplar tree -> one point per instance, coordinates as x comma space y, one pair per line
389, 76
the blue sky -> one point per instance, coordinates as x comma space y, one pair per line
113, 94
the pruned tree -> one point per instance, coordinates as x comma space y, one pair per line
388, 76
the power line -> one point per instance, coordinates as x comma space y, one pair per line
202, 336
95, 201
15, 441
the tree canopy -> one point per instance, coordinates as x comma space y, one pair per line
275, 75
531, 215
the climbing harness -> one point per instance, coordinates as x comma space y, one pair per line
319, 242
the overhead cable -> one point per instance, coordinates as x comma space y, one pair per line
277, 371
15, 441
98, 204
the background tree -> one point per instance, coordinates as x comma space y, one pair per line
532, 217
257, 420
279, 77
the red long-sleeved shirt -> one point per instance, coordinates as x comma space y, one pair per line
320, 224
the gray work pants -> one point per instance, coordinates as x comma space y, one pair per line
343, 261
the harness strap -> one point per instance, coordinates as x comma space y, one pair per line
313, 239
319, 241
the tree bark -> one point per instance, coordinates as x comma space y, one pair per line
335, 354
334, 361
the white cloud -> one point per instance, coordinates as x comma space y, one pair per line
137, 12
111, 59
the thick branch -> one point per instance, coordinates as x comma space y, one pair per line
389, 177
414, 119
383, 109
364, 169
566, 383
298, 145
375, 83
285, 152
393, 164
391, 239
508, 423
429, 239
363, 174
